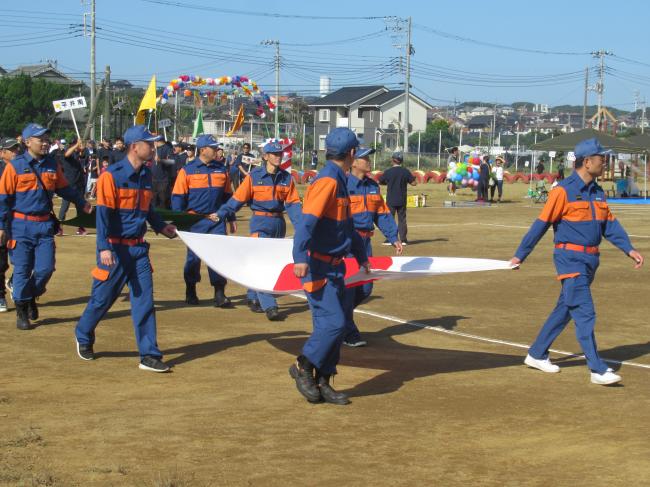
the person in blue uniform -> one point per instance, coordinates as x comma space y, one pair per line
124, 208
27, 221
270, 191
202, 187
324, 236
580, 216
368, 209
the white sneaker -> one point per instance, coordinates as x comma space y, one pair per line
543, 365
609, 377
356, 343
3, 305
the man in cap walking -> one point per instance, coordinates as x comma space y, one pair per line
124, 208
324, 236
578, 211
27, 221
396, 178
270, 191
202, 187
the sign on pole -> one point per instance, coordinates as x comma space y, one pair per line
164, 123
70, 104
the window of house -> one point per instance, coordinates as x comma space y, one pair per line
324, 115
372, 115
321, 142
359, 113
399, 116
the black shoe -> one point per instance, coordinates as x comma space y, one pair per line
328, 393
153, 364
85, 352
190, 294
220, 299
272, 314
33, 310
303, 373
22, 315
254, 305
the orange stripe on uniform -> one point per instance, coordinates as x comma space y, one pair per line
577, 211
263, 193
313, 286
181, 186
106, 192
128, 198
602, 211
356, 204
338, 210
197, 181
26, 182
376, 204
319, 197
562, 277
220, 180
244, 192
554, 208
8, 180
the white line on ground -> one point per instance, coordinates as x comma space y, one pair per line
439, 329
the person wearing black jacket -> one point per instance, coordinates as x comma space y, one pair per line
119, 151
72, 164
396, 178
483, 179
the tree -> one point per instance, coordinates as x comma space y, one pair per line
429, 140
24, 100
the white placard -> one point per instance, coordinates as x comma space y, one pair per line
251, 160
571, 157
551, 153
165, 122
69, 104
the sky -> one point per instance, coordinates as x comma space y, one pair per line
499, 52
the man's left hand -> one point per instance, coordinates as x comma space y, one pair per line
88, 209
169, 231
232, 227
365, 266
637, 258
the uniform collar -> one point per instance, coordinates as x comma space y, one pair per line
129, 169
579, 183
262, 168
357, 181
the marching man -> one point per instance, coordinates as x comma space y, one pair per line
368, 209
580, 216
124, 207
269, 190
324, 236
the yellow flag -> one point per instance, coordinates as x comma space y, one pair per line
239, 121
148, 101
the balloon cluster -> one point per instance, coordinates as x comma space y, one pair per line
223, 88
465, 174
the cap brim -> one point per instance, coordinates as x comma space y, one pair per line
153, 138
40, 133
365, 152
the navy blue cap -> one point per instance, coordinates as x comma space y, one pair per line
273, 147
341, 140
398, 156
364, 151
139, 133
34, 130
206, 140
590, 147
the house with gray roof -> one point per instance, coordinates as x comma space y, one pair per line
372, 112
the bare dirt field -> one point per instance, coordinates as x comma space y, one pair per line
439, 397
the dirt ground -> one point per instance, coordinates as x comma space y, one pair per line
434, 401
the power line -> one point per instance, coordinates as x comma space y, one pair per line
209, 8
469, 40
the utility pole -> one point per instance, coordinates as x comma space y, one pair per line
93, 77
107, 102
600, 84
407, 86
276, 43
584, 105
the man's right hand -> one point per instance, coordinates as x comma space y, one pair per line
515, 262
300, 270
106, 258
3, 237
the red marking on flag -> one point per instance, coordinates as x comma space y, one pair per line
287, 281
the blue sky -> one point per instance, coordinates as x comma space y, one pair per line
138, 38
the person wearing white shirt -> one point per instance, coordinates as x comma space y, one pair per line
497, 171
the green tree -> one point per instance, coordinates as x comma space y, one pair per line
24, 100
429, 139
